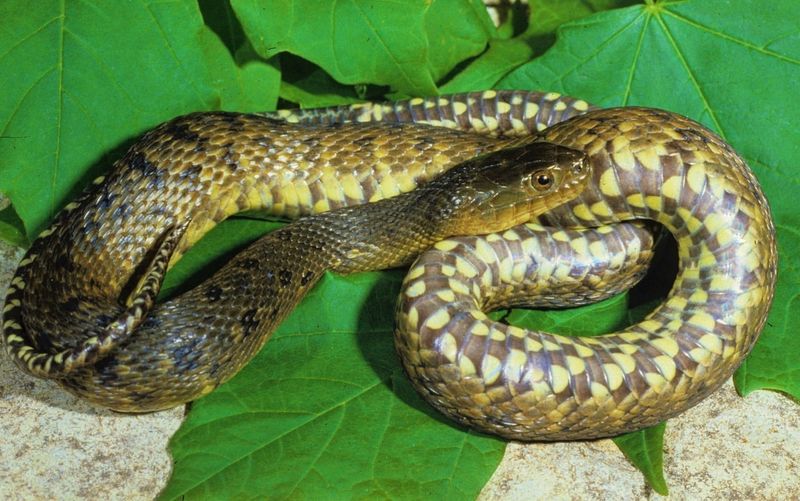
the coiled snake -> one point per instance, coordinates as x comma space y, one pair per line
81, 305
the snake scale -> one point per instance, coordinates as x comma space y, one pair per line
81, 308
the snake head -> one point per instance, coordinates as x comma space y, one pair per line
514, 185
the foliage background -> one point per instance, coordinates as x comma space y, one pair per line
326, 404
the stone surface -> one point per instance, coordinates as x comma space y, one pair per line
55, 446
725, 448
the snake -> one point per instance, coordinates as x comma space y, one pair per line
556, 188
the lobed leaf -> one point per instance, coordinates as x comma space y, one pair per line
78, 84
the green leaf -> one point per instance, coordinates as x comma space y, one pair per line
645, 449
591, 320
547, 15
725, 64
327, 412
12, 230
316, 90
488, 68
79, 84
408, 46
221, 19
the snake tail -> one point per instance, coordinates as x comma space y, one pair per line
89, 351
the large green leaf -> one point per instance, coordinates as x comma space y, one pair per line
408, 46
78, 82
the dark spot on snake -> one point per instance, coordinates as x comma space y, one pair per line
106, 368
190, 172
42, 341
138, 162
272, 120
121, 212
228, 157
181, 132
691, 134
285, 277
269, 277
187, 355
424, 143
273, 314
307, 276
90, 226
139, 396
234, 121
249, 321
63, 262
214, 293
248, 264
70, 305
661, 114
103, 320
105, 200
156, 182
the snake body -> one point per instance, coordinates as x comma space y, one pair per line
81, 305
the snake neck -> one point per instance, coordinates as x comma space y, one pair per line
384, 234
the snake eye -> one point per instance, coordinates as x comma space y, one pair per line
542, 180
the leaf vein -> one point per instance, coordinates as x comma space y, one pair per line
201, 479
733, 39
635, 61
692, 77
60, 110
28, 37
